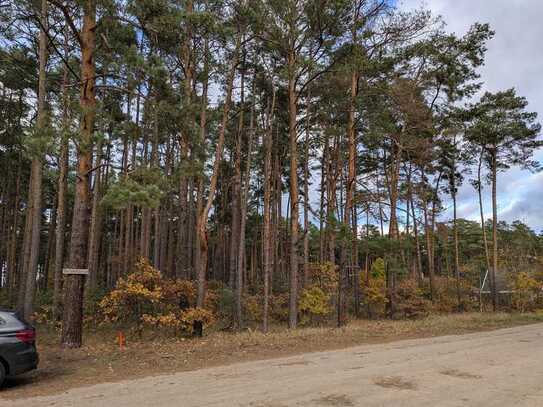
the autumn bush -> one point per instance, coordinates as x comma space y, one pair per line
253, 308
374, 289
410, 301
527, 291
279, 307
137, 294
325, 276
180, 320
313, 305
446, 295
144, 297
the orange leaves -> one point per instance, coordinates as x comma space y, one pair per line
144, 297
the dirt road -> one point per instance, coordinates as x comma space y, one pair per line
499, 368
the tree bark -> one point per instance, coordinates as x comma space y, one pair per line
267, 253
481, 210
200, 187
307, 204
293, 147
243, 221
236, 260
182, 269
96, 222
203, 215
71, 336
456, 245
61, 204
36, 173
13, 240
494, 270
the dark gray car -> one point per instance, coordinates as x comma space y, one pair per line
17, 345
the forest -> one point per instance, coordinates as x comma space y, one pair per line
232, 163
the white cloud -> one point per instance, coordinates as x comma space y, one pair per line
514, 59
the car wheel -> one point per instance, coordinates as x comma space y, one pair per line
2, 374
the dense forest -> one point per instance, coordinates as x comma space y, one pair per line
253, 162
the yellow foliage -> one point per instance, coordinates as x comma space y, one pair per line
211, 301
326, 276
279, 307
374, 292
174, 290
313, 302
182, 320
527, 289
145, 297
196, 314
253, 308
374, 289
410, 300
446, 294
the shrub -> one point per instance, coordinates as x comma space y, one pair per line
224, 302
211, 301
138, 294
410, 301
377, 270
313, 303
374, 289
144, 297
446, 295
526, 291
177, 291
253, 307
180, 320
326, 276
279, 307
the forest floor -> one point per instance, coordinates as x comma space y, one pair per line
101, 361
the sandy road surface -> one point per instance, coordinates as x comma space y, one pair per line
499, 368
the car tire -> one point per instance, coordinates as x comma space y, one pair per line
2, 374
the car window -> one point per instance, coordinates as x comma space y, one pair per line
19, 317
2, 321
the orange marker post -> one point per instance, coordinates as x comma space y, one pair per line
121, 340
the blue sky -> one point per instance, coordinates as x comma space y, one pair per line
514, 59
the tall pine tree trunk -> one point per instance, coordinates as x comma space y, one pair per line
36, 173
203, 215
481, 210
235, 226
13, 240
267, 250
200, 188
182, 269
494, 269
294, 200
96, 222
456, 244
306, 195
72, 323
241, 263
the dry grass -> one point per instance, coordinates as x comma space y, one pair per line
100, 359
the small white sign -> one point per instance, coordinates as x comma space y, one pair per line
79, 272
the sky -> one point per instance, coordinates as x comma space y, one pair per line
514, 59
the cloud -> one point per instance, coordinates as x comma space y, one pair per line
514, 59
